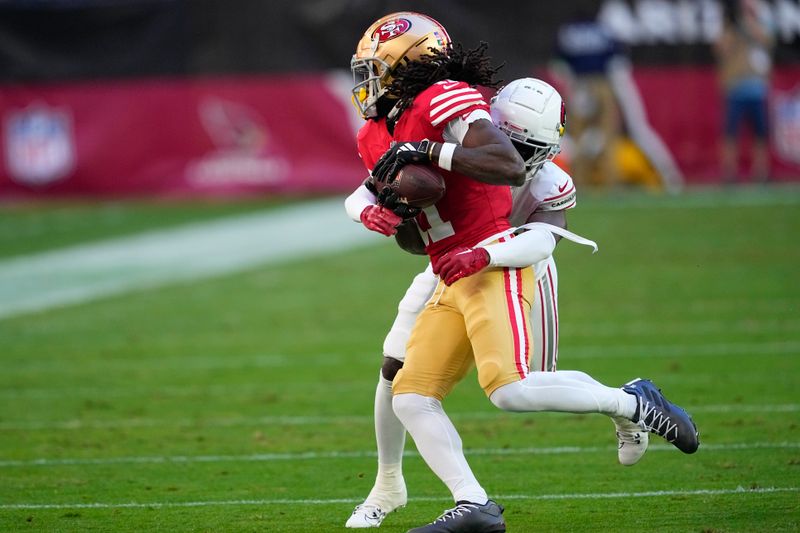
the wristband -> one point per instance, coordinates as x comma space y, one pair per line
430, 150
446, 156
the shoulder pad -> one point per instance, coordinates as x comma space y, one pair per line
554, 188
449, 99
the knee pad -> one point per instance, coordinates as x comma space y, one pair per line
504, 397
390, 368
405, 406
488, 373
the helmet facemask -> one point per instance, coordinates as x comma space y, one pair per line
535, 154
370, 80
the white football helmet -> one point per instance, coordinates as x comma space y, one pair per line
532, 114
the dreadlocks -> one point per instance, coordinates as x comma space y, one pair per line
453, 63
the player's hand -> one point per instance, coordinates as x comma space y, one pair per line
380, 219
388, 199
460, 263
400, 155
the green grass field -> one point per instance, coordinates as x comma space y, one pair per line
243, 403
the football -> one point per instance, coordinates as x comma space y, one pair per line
418, 185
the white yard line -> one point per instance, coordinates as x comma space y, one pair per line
567, 352
360, 454
86, 272
335, 501
82, 273
299, 420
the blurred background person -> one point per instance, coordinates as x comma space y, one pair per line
612, 142
743, 51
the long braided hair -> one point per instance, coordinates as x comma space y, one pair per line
452, 63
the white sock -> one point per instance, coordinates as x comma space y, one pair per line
391, 437
564, 391
439, 444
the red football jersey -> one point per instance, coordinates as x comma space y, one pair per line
470, 211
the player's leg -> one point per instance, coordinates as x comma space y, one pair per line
632, 441
495, 324
570, 391
544, 320
728, 155
438, 355
389, 491
760, 169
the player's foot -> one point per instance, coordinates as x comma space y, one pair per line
375, 508
467, 517
658, 415
366, 515
631, 441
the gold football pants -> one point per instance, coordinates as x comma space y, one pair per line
483, 319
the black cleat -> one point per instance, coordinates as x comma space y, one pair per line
467, 517
658, 415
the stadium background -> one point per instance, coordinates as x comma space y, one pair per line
200, 97
184, 348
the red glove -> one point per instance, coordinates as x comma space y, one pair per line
380, 219
460, 263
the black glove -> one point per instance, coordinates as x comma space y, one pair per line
398, 156
388, 199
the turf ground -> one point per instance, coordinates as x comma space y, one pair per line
243, 402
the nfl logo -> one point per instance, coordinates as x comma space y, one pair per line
39, 145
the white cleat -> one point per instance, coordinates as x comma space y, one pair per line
632, 441
366, 515
371, 515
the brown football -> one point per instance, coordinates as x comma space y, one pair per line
418, 185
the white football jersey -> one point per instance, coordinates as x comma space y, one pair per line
551, 189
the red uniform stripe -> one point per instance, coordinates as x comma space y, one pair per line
452, 111
555, 316
526, 355
512, 320
544, 327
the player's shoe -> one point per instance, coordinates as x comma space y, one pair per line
632, 441
377, 505
658, 415
366, 515
467, 517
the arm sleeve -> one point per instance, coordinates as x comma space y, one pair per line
456, 129
524, 250
359, 200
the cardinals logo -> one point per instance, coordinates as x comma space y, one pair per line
245, 152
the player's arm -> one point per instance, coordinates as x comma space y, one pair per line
361, 207
359, 200
473, 146
485, 154
526, 249
409, 239
554, 218
530, 246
